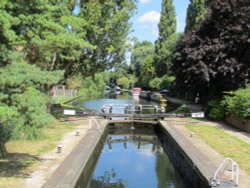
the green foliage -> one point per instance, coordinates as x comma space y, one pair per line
124, 82
6, 126
167, 81
140, 52
107, 30
167, 39
234, 102
238, 103
23, 106
93, 87
195, 14
212, 58
74, 82
50, 35
215, 111
142, 62
183, 109
162, 83
155, 83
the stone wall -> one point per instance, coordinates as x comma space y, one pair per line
239, 123
181, 161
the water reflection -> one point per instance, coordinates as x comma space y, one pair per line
124, 99
108, 180
134, 158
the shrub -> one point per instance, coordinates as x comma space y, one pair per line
183, 109
215, 110
238, 103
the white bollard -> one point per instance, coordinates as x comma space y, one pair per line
59, 148
192, 134
77, 132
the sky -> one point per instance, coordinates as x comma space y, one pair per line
145, 21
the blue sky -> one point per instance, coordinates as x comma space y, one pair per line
146, 19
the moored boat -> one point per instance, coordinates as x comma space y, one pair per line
157, 97
145, 95
136, 92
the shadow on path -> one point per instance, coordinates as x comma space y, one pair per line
17, 164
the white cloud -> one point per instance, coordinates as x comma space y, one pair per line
144, 1
151, 17
150, 21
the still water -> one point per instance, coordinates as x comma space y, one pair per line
134, 158
121, 99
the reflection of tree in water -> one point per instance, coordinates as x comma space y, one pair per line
166, 174
108, 180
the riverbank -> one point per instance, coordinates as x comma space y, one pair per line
204, 154
30, 163
44, 165
51, 161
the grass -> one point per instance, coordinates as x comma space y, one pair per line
24, 154
225, 144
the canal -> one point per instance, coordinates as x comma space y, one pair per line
121, 99
132, 157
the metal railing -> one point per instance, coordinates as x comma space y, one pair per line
228, 165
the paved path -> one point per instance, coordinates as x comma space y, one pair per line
192, 107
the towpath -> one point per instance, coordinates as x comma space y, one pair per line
206, 158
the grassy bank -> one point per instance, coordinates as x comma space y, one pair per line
225, 144
23, 154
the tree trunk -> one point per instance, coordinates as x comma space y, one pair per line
3, 151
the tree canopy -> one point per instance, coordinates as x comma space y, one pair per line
215, 57
166, 40
44, 42
195, 14
142, 59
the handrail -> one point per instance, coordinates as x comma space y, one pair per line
215, 181
97, 124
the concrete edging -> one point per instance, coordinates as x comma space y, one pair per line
194, 166
74, 167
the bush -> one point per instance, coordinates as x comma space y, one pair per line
183, 109
238, 103
215, 110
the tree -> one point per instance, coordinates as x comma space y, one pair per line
107, 31
124, 82
139, 53
166, 41
215, 57
147, 72
23, 105
195, 14
142, 62
48, 34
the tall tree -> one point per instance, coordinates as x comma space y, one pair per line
108, 27
215, 57
195, 14
48, 34
167, 38
142, 62
23, 102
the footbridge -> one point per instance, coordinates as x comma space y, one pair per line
126, 113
